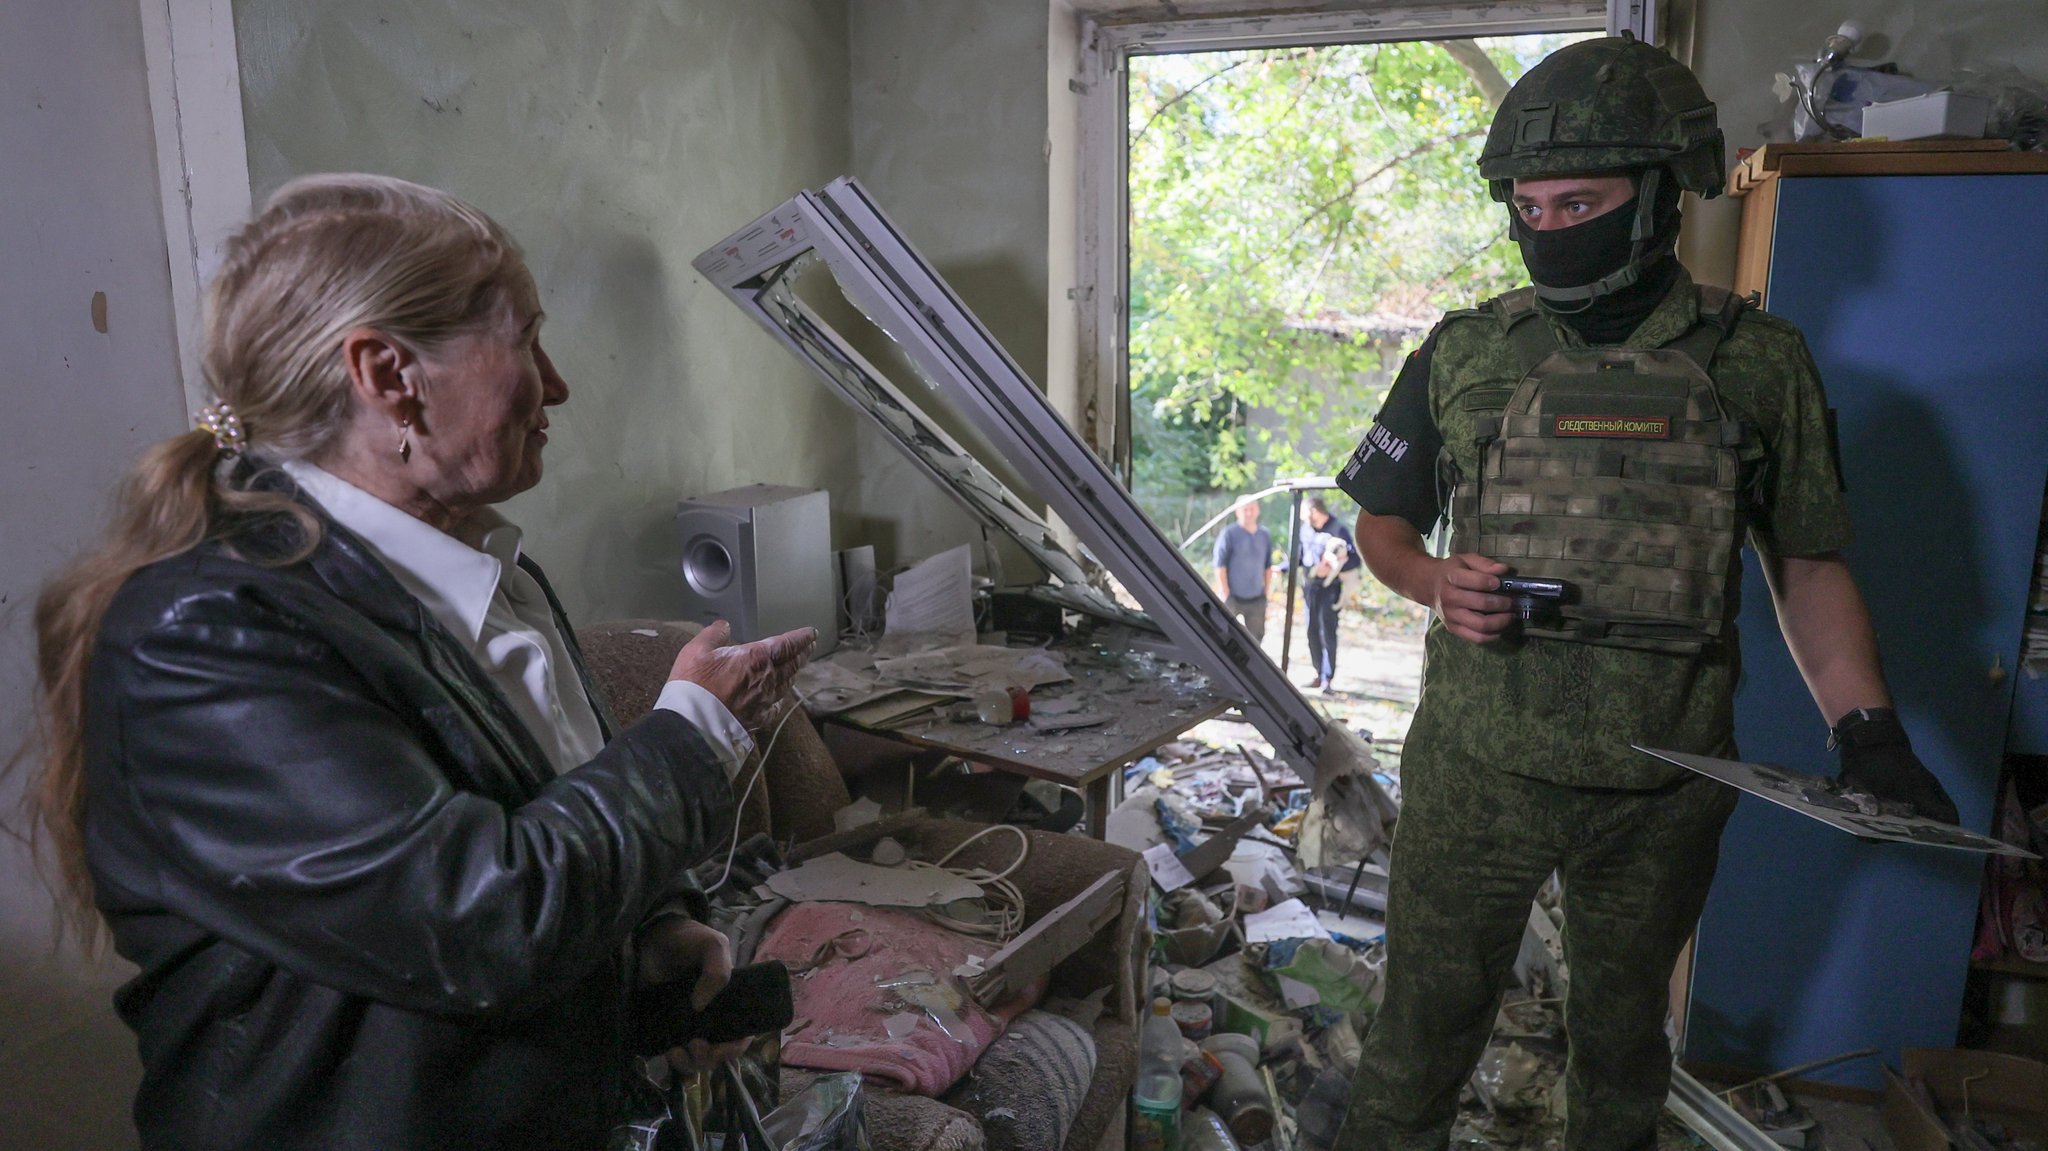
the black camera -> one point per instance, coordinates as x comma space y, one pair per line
1534, 598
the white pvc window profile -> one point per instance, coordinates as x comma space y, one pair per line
840, 230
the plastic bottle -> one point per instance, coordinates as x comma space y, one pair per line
1160, 1044
1321, 1112
1206, 1131
1155, 1101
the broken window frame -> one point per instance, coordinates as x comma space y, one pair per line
880, 273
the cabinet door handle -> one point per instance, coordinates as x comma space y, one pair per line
1997, 673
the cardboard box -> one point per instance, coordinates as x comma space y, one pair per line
1950, 114
2003, 1089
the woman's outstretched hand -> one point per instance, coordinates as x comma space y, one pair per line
751, 679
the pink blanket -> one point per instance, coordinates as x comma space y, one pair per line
843, 1020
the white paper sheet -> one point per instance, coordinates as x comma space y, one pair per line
1167, 869
934, 598
1289, 920
974, 667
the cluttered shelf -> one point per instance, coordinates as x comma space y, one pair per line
1069, 712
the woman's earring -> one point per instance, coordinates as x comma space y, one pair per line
404, 441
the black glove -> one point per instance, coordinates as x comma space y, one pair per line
1877, 758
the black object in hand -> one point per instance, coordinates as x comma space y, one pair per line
1878, 758
1534, 598
755, 1002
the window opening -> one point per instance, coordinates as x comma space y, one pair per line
1300, 217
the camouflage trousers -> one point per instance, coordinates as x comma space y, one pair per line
1473, 845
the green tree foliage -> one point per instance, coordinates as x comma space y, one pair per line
1299, 217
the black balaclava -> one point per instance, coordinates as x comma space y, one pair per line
1604, 276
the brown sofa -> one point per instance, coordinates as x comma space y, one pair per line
802, 787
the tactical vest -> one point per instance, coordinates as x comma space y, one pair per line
1617, 471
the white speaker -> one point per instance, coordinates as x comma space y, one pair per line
760, 558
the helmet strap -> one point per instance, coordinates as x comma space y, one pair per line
1644, 252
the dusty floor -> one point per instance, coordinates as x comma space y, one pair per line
1845, 1126
1379, 676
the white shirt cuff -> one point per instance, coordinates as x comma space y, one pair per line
727, 735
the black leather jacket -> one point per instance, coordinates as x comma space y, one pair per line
367, 912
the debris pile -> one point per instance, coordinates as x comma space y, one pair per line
1274, 970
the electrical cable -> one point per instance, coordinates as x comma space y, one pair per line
1023, 853
740, 811
1006, 902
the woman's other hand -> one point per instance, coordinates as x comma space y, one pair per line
678, 948
750, 679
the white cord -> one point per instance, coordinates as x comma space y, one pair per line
1023, 853
740, 812
1005, 900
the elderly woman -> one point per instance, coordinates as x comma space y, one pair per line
319, 749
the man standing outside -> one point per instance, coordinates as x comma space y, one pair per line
1244, 568
1329, 560
1617, 429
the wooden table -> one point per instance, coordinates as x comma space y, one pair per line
1149, 700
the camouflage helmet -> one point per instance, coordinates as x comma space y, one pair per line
1603, 104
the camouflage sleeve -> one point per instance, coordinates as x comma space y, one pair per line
1803, 510
1393, 469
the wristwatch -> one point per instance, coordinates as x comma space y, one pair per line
1867, 727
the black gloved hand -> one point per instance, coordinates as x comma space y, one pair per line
1878, 758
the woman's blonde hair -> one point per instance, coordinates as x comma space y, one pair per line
327, 255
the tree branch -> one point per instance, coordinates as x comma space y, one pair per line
1352, 189
1444, 281
1183, 94
1478, 65
1190, 90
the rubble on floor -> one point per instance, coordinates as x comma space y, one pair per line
1285, 962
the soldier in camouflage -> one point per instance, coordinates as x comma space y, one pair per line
1620, 429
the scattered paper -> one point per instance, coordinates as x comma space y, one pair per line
1256, 863
1289, 920
836, 683
972, 667
1167, 870
647, 631
859, 813
935, 598
893, 708
838, 878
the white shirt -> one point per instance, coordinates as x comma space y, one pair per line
476, 589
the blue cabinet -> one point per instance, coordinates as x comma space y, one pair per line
1925, 301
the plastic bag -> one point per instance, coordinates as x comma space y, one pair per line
1343, 979
668, 1113
1845, 92
826, 1116
2019, 105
